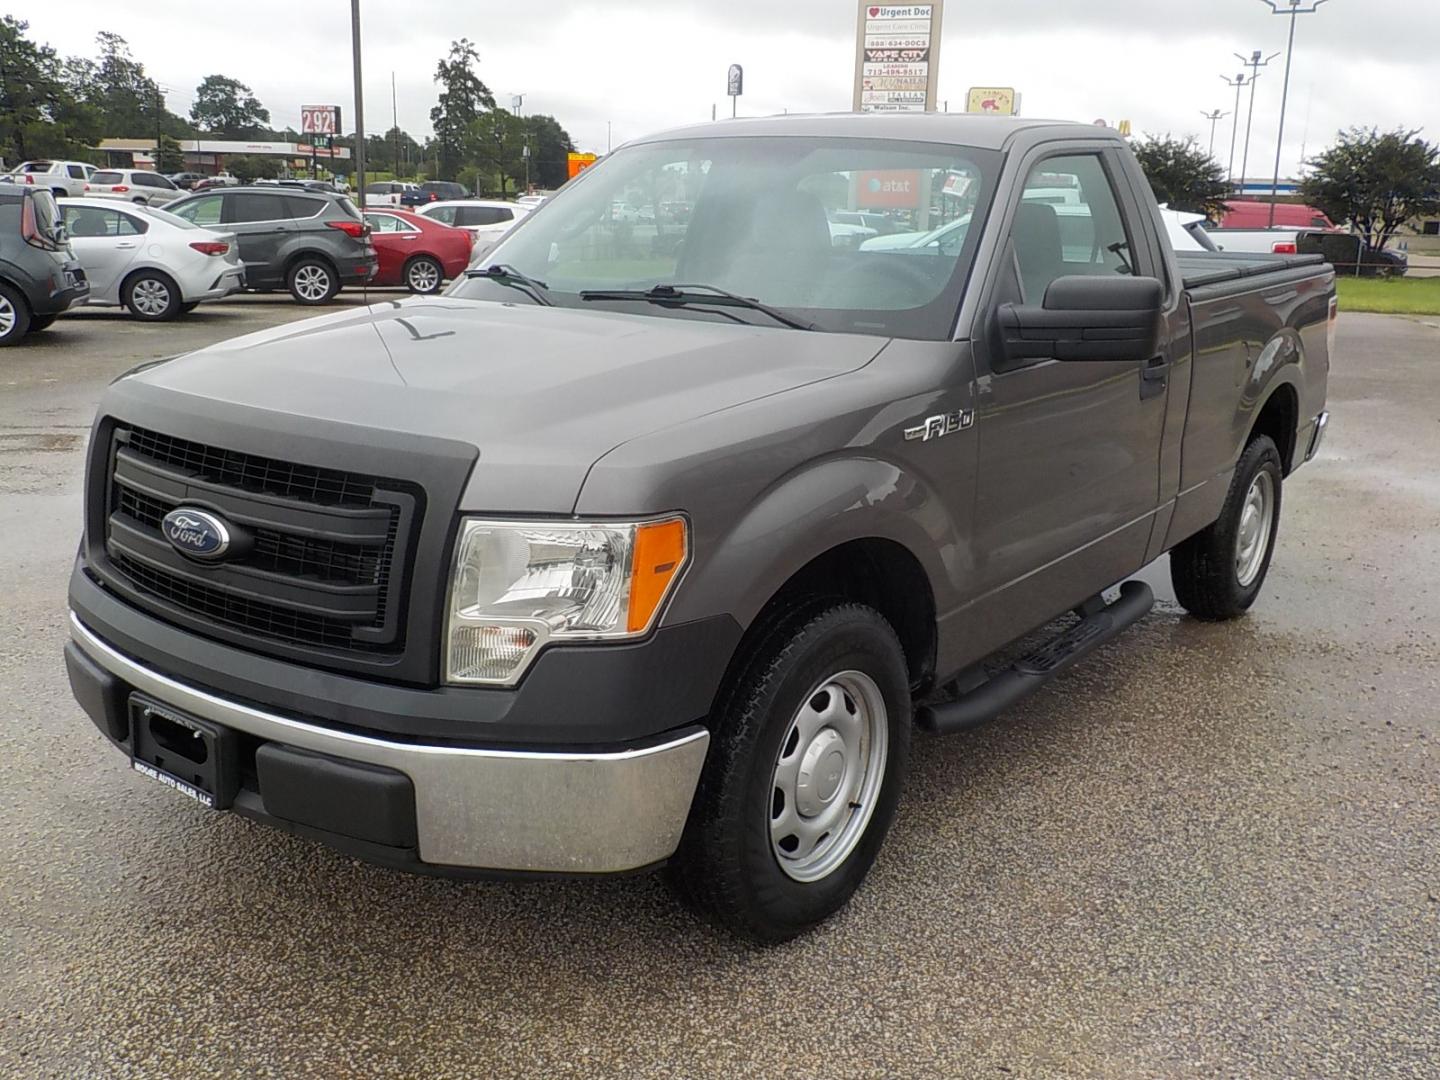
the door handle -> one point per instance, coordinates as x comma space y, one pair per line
1154, 377
125, 246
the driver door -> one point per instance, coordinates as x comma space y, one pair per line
1069, 451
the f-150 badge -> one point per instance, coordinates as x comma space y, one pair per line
936, 426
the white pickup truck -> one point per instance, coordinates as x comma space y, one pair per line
66, 179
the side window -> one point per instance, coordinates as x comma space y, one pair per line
300, 207
77, 171
443, 213
1068, 222
204, 211
484, 215
129, 226
145, 180
82, 222
249, 206
386, 223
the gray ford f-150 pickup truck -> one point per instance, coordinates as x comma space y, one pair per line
649, 543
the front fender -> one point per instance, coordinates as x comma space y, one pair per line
812, 510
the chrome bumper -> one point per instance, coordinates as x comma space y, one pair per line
597, 812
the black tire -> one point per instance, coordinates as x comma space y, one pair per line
727, 867
428, 269
14, 316
312, 281
42, 322
1205, 568
151, 296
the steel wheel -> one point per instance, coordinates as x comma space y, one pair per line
9, 316
828, 774
151, 297
423, 276
1257, 515
312, 283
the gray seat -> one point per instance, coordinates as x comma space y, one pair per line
1038, 249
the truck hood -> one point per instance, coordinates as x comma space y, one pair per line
541, 392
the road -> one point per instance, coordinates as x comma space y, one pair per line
1208, 851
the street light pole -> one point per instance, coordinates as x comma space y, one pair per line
1238, 83
1214, 118
1294, 10
359, 102
1254, 64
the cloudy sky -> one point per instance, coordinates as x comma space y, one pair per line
639, 67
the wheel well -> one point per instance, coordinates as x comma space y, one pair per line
18, 291
154, 270
1280, 419
318, 256
881, 574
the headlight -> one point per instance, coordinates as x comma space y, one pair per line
519, 585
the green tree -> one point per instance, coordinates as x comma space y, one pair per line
1376, 181
252, 166
169, 157
226, 107
463, 99
1182, 175
550, 149
39, 115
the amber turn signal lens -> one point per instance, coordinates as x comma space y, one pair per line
659, 554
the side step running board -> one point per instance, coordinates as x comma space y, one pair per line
1099, 623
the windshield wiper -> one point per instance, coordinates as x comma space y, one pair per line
680, 295
505, 274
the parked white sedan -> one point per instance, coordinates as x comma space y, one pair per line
156, 264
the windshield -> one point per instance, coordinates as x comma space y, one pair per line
165, 216
761, 217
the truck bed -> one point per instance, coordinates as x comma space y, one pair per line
1199, 269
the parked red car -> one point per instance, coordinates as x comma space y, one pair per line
1249, 214
417, 252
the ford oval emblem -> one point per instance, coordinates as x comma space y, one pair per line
196, 533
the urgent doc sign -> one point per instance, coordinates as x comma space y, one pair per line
897, 57
320, 119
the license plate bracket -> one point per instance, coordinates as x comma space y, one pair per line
198, 758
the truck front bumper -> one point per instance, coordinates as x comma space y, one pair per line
474, 809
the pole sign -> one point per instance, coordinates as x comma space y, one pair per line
320, 119
992, 101
897, 56
578, 163
735, 83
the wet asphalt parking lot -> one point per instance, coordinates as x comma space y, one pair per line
1207, 851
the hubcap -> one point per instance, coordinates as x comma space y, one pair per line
151, 296
828, 775
7, 317
1257, 517
312, 282
424, 277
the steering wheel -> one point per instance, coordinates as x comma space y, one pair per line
886, 278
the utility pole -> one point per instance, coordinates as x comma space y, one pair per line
359, 102
395, 123
158, 114
1254, 64
1294, 10
1214, 118
1238, 83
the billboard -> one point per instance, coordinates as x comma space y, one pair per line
993, 101
320, 119
897, 56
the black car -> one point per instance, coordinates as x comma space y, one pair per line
434, 191
39, 278
310, 242
186, 180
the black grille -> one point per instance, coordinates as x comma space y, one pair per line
316, 551
250, 472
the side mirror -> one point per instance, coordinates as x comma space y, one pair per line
1087, 318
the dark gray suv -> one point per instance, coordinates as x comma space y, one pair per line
310, 242
39, 277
